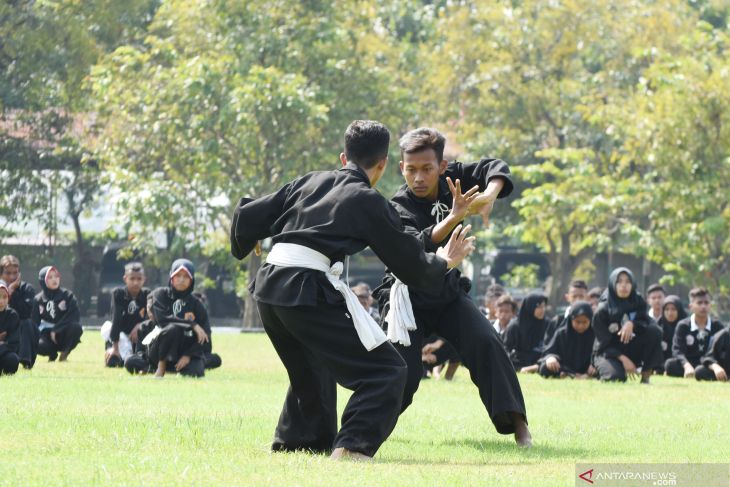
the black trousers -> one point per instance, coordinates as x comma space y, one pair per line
319, 346
645, 350
481, 351
212, 360
674, 368
29, 336
8, 361
66, 340
170, 345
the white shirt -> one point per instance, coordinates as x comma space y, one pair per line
693, 325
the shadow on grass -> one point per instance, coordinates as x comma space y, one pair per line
494, 448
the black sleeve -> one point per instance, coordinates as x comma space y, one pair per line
35, 314
13, 336
252, 221
116, 309
642, 320
23, 304
604, 338
554, 347
720, 346
410, 226
402, 253
480, 174
71, 316
551, 328
679, 344
511, 337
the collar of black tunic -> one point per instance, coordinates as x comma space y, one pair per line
357, 170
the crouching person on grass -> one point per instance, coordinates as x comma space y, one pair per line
181, 325
57, 317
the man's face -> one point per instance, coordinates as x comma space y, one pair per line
10, 273
701, 306
576, 294
134, 281
421, 171
655, 299
504, 314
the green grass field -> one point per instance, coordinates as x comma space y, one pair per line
78, 423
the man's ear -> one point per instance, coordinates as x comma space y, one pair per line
343, 159
402, 166
442, 166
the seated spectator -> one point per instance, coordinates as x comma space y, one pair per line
21, 300
655, 295
56, 316
693, 338
625, 337
506, 314
524, 339
577, 291
9, 333
570, 351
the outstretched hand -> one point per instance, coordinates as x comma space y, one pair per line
458, 247
462, 201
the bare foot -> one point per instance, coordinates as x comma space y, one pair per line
345, 454
63, 357
645, 376
523, 438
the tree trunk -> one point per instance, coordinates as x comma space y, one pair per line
251, 318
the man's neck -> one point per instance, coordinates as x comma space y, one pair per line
134, 294
701, 321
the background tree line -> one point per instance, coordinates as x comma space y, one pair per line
613, 115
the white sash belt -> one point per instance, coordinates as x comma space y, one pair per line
294, 255
400, 317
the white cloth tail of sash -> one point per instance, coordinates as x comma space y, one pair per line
151, 336
400, 317
294, 255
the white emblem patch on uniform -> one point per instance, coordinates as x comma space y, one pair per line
664, 346
51, 309
132, 308
177, 307
62, 305
690, 340
613, 328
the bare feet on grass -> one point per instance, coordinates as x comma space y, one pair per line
161, 369
345, 454
63, 356
523, 438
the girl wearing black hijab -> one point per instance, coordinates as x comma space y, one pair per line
524, 339
672, 313
182, 328
625, 337
9, 333
56, 315
570, 351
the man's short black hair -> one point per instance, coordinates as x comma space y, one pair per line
366, 143
595, 292
699, 292
654, 288
422, 139
133, 267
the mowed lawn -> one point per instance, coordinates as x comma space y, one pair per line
78, 423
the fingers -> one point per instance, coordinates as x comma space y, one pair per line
452, 188
257, 249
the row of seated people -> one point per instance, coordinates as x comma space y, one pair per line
609, 334
150, 331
